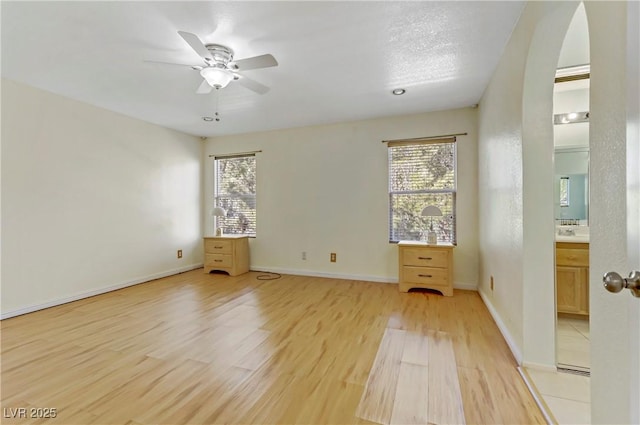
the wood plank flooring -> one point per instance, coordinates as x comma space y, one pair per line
207, 349
413, 380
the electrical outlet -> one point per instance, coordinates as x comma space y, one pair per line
304, 255
333, 257
491, 283
179, 253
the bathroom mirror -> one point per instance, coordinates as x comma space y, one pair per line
572, 183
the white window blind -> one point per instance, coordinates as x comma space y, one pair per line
235, 192
421, 174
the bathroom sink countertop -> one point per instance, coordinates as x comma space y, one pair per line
573, 238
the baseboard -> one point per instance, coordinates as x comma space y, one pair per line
94, 292
515, 350
465, 286
312, 273
540, 366
537, 397
301, 272
296, 272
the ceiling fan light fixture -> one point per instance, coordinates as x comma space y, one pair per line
217, 77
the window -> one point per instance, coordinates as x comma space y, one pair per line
422, 173
235, 192
564, 191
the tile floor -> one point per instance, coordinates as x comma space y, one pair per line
567, 395
573, 343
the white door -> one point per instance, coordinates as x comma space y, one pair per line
633, 199
615, 233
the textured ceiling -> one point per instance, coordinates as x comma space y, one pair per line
338, 61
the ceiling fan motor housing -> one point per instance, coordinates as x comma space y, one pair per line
221, 54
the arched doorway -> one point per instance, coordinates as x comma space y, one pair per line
615, 319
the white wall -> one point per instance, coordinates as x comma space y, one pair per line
91, 199
516, 183
324, 189
565, 101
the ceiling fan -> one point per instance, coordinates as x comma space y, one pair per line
219, 67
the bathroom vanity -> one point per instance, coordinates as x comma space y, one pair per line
572, 231
572, 277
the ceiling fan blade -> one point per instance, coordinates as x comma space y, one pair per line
252, 85
196, 44
204, 88
262, 61
194, 67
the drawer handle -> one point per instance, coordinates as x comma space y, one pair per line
217, 247
218, 261
425, 275
425, 258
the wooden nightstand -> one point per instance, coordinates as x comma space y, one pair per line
425, 266
227, 253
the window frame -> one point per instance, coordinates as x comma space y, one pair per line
453, 191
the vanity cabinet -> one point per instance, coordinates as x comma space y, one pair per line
227, 253
572, 278
425, 266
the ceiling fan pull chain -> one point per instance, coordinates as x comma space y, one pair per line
217, 115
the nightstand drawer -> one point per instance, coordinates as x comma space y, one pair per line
426, 276
218, 260
217, 246
425, 258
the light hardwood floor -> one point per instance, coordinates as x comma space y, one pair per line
204, 349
